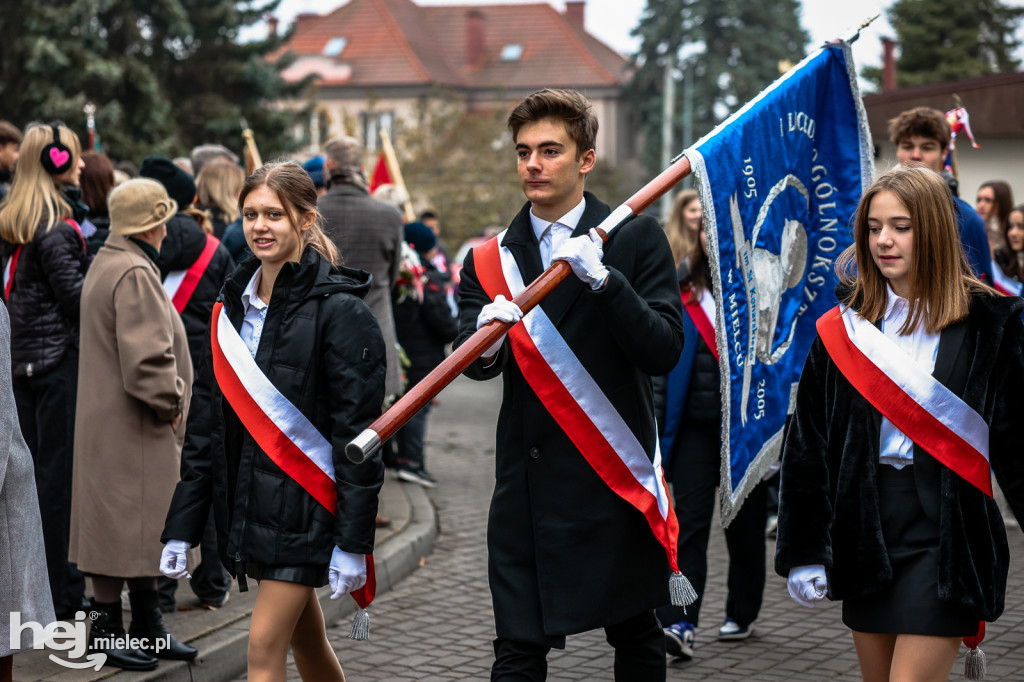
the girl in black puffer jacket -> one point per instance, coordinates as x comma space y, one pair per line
44, 265
290, 325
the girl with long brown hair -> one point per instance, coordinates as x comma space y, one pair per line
691, 445
683, 225
905, 407
292, 324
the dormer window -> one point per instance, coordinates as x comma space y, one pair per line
335, 46
512, 52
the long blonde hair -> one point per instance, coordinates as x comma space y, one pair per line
35, 197
680, 239
298, 196
218, 186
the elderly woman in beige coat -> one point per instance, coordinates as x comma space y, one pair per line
134, 385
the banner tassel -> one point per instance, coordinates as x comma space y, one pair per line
974, 664
360, 625
680, 591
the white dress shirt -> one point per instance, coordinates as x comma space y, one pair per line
895, 447
255, 313
551, 235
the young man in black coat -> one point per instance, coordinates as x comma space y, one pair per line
566, 553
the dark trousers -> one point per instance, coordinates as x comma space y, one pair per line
210, 580
695, 471
639, 653
410, 440
46, 410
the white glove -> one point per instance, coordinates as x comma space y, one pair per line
172, 559
500, 309
807, 584
347, 572
584, 254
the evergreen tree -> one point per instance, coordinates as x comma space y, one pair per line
737, 46
942, 40
164, 76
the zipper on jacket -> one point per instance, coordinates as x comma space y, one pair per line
243, 585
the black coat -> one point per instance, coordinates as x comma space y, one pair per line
566, 554
425, 327
45, 295
828, 505
321, 347
181, 248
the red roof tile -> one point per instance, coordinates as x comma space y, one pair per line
396, 42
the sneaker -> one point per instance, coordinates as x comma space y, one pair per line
214, 604
731, 631
419, 476
679, 640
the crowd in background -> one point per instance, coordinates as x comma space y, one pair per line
108, 265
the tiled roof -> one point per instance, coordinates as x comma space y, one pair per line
396, 42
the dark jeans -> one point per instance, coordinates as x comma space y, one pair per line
210, 580
639, 653
410, 440
46, 410
695, 470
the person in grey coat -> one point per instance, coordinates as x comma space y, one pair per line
24, 588
368, 233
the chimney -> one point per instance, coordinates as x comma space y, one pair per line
574, 12
474, 39
272, 25
888, 65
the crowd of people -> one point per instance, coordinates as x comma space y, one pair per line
192, 348
112, 276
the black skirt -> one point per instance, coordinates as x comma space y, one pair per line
910, 603
311, 575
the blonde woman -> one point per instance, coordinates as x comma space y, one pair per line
45, 260
217, 187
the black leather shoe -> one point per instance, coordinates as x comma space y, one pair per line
107, 636
148, 623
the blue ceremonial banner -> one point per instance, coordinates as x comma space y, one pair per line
779, 181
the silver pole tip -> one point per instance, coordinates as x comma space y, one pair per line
363, 445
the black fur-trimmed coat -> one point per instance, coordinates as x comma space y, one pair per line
828, 506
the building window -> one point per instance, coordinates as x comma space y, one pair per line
371, 123
335, 46
512, 52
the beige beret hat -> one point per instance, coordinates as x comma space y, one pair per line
138, 205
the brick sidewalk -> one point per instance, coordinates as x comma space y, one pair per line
438, 625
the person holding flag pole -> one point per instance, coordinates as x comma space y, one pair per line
296, 369
907, 404
581, 532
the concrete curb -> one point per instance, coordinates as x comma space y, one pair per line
222, 653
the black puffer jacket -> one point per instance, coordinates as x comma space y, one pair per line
181, 248
44, 300
424, 327
323, 350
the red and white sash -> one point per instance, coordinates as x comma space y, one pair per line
291, 441
181, 284
914, 401
702, 312
1003, 283
578, 405
12, 263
